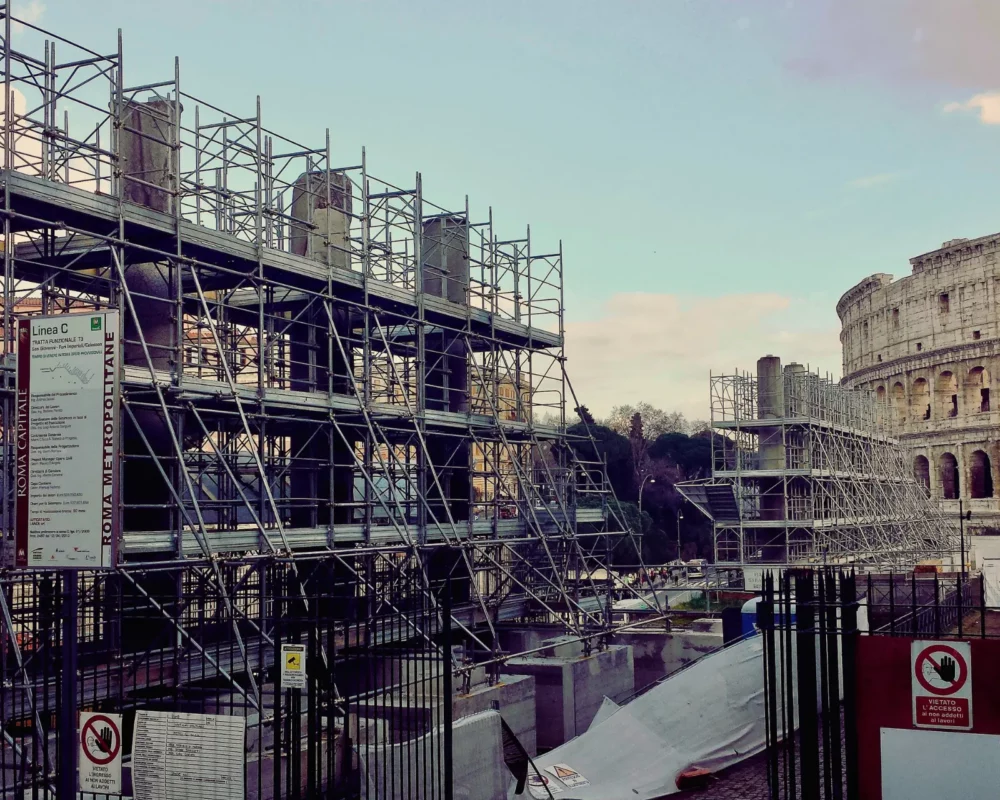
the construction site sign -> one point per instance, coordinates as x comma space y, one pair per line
66, 446
188, 756
542, 786
942, 685
569, 776
293, 666
100, 757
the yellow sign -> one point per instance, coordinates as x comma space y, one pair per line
293, 666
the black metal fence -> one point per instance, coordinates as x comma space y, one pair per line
927, 605
206, 639
811, 621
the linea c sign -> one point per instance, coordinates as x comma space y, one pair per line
941, 676
66, 447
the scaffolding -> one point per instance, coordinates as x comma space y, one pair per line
325, 374
806, 471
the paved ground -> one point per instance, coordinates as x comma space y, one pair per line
748, 780
745, 781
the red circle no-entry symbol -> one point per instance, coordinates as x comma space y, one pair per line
100, 745
941, 670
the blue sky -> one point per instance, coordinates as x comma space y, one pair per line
720, 171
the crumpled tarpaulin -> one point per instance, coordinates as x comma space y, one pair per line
710, 715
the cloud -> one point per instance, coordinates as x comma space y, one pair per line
871, 181
986, 105
661, 347
30, 12
946, 42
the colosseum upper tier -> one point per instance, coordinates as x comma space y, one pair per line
928, 344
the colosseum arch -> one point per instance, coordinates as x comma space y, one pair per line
920, 400
977, 391
922, 473
899, 401
946, 395
980, 475
880, 394
948, 469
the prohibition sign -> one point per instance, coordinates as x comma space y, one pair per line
934, 657
105, 753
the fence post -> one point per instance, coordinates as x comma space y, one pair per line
805, 639
849, 623
765, 621
449, 767
831, 709
68, 708
789, 677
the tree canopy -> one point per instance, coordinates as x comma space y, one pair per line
650, 450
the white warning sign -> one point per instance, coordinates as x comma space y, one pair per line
569, 776
293, 666
100, 753
942, 685
542, 787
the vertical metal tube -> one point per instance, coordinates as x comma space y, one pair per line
849, 638
788, 680
68, 747
805, 640
449, 777
833, 669
765, 621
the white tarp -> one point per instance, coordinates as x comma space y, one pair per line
710, 715
608, 707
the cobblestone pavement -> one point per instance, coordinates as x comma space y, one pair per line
746, 781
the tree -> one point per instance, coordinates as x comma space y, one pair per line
637, 441
655, 421
691, 454
609, 446
585, 416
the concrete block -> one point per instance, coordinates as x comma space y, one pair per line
399, 771
515, 695
658, 653
569, 690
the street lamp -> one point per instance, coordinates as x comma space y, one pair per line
680, 516
642, 486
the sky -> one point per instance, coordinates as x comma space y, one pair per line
719, 172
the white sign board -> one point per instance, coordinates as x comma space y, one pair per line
939, 764
66, 457
293, 666
542, 786
188, 756
753, 579
941, 679
100, 759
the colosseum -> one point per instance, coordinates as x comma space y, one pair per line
928, 344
